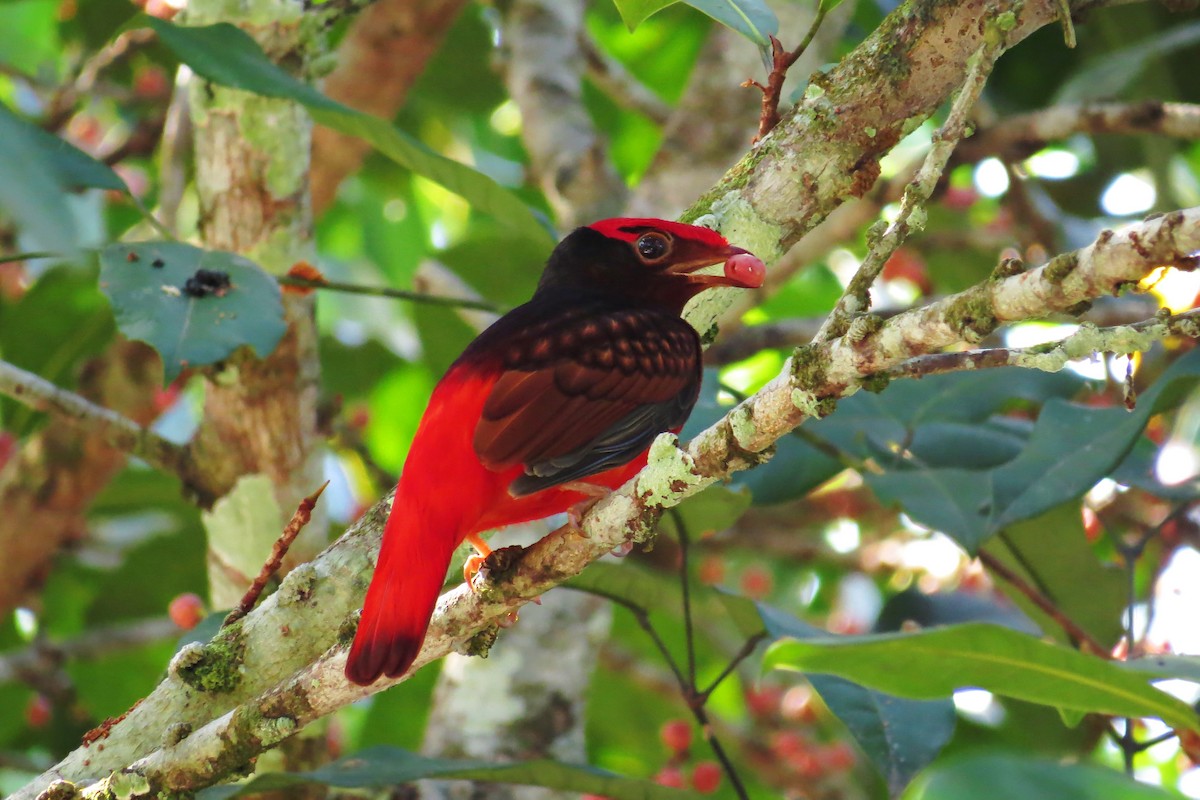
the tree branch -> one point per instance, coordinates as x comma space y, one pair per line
1019, 137
119, 431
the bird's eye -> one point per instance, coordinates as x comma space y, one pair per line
652, 247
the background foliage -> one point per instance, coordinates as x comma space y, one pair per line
863, 528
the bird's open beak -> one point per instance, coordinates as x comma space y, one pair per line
742, 269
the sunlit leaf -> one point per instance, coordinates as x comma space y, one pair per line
227, 55
937, 662
751, 18
163, 295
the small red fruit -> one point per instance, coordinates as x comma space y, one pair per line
670, 776
186, 610
756, 582
676, 734
763, 702
711, 571
39, 711
746, 269
706, 777
837, 757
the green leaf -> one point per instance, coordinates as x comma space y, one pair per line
929, 419
380, 767
937, 662
751, 18
900, 736
635, 12
1029, 779
146, 283
227, 55
1052, 552
75, 168
1108, 76
1070, 448
31, 192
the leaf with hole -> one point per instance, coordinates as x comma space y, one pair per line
195, 307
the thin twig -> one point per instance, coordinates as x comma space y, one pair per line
387, 291
278, 551
1072, 628
685, 589
781, 61
741, 655
121, 432
856, 299
1084, 343
61, 105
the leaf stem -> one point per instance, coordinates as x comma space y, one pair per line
386, 291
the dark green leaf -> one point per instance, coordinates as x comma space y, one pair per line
75, 168
146, 283
1070, 448
900, 736
31, 191
938, 662
751, 18
948, 608
986, 776
1109, 75
1052, 552
379, 767
227, 55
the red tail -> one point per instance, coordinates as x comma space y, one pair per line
409, 576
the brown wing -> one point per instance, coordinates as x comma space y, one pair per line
587, 392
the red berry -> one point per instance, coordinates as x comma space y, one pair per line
670, 776
706, 777
746, 270
676, 734
756, 582
39, 711
907, 265
959, 198
763, 702
711, 571
151, 83
186, 610
837, 757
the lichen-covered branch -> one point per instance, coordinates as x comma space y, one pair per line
857, 297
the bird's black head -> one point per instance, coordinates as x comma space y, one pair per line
643, 261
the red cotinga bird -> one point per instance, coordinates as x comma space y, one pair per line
569, 389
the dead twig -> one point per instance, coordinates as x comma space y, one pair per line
290, 532
781, 62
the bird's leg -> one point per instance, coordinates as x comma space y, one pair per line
472, 565
594, 495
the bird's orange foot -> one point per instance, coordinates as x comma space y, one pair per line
473, 566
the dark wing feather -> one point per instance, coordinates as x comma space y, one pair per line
585, 391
